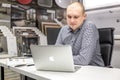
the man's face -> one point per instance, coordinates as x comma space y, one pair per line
75, 17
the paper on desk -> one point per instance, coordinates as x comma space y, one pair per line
2, 56
19, 62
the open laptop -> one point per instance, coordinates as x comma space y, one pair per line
53, 57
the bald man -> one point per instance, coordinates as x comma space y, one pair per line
82, 35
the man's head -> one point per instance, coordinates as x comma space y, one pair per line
75, 15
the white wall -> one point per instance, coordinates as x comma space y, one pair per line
116, 55
105, 20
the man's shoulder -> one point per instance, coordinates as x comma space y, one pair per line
66, 27
89, 26
90, 23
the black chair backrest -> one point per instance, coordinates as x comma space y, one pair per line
52, 34
106, 37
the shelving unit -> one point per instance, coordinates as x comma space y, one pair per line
18, 16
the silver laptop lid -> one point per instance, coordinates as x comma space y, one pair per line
53, 57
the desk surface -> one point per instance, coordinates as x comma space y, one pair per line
84, 73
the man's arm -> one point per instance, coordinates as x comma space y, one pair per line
88, 47
59, 38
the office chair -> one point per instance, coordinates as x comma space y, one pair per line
52, 34
106, 37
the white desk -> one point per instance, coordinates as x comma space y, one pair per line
84, 73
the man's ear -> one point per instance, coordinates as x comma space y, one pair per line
85, 15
